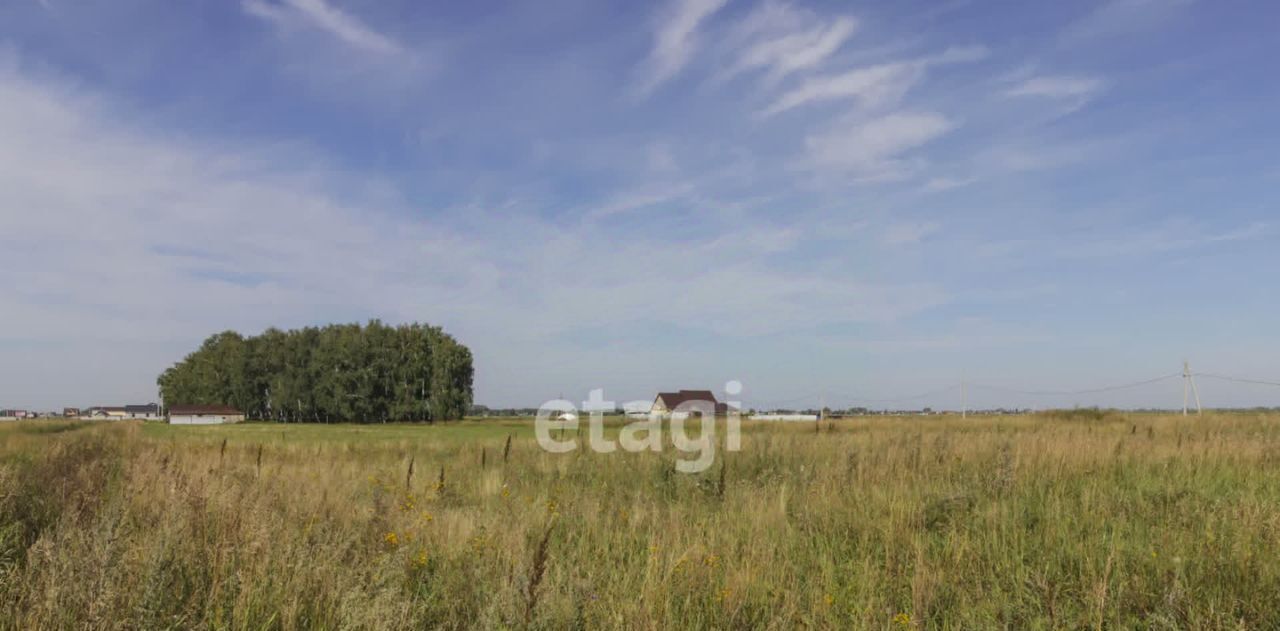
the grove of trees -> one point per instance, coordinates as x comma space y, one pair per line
340, 372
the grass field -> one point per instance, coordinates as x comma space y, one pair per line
1138, 521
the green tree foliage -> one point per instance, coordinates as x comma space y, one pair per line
341, 372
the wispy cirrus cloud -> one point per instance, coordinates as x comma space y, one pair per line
675, 41
318, 14
1119, 17
909, 233
946, 183
870, 86
873, 149
780, 39
1057, 87
320, 243
764, 202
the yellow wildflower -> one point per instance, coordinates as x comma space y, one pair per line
391, 539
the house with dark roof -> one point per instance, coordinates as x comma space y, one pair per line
148, 411
666, 403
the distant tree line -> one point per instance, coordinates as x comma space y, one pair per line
340, 372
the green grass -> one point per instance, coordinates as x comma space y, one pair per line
304, 433
1119, 521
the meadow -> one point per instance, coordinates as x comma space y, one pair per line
1034, 522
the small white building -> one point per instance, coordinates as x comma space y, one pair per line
784, 417
204, 415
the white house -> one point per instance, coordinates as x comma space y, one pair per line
784, 417
204, 415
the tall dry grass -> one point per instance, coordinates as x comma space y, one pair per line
1024, 523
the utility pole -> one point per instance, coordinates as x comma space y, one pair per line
1189, 387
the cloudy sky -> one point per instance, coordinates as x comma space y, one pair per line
824, 200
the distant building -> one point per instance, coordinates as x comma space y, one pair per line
108, 412
666, 403
148, 411
204, 415
71, 412
12, 415
784, 417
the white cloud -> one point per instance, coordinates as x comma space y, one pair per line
909, 233
939, 184
872, 149
1119, 17
675, 40
1173, 235
321, 15
637, 200
781, 39
1056, 87
871, 86
958, 55
162, 240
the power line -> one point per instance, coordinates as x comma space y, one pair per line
775, 402
962, 386
1259, 382
915, 397
1123, 386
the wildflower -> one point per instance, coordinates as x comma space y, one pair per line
902, 620
829, 599
552, 507
724, 594
710, 560
427, 517
506, 492
420, 561
653, 550
391, 539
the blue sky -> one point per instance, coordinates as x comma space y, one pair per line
820, 199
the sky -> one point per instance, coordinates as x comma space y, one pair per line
831, 202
